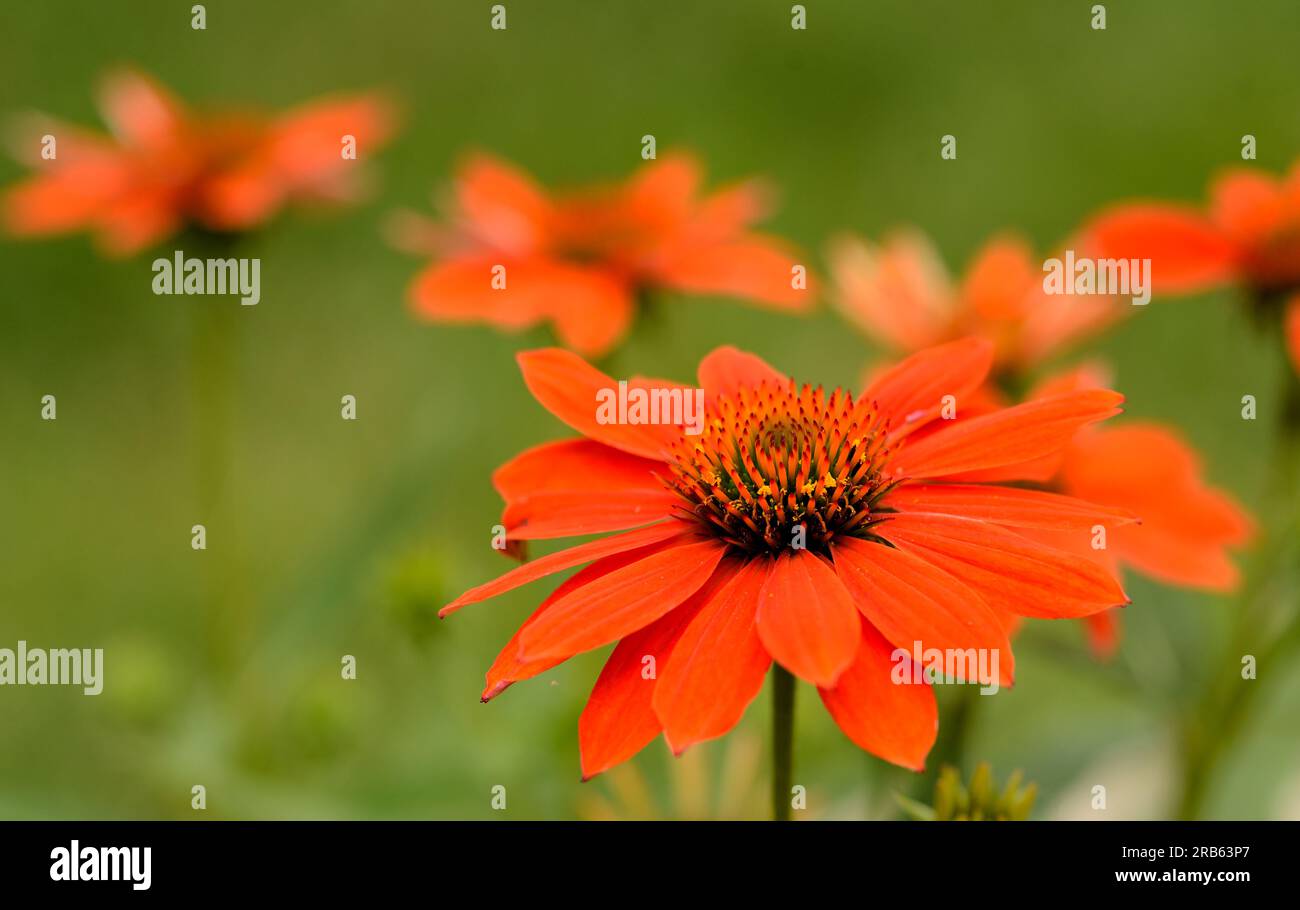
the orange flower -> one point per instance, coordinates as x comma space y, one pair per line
1250, 236
1147, 469
900, 546
516, 256
164, 167
901, 294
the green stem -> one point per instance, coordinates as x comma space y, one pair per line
954, 739
214, 374
782, 741
1213, 725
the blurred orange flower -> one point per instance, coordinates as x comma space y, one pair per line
817, 530
515, 255
1185, 527
164, 167
1249, 236
899, 293
1147, 469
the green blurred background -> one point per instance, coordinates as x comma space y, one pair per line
329, 537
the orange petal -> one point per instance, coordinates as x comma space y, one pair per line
306, 142
1187, 525
752, 267
1010, 506
726, 370
618, 721
566, 559
461, 290
136, 222
1187, 251
1103, 633
575, 464
1011, 572
623, 601
806, 619
999, 281
570, 513
898, 292
509, 667
718, 665
1247, 205
140, 112
728, 211
914, 604
1018, 434
1175, 558
70, 198
505, 208
579, 487
894, 721
567, 386
1153, 472
659, 198
912, 392
591, 309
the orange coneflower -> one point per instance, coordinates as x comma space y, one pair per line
900, 294
710, 582
164, 167
1250, 236
1148, 469
515, 256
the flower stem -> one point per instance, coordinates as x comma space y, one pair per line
782, 741
953, 741
1214, 724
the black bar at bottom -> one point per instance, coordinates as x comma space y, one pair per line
652, 860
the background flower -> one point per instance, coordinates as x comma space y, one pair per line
1248, 236
900, 294
164, 166
515, 255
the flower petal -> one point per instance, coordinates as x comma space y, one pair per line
726, 370
1010, 572
568, 513
573, 556
913, 603
894, 721
1187, 251
806, 619
1011, 506
1103, 633
1247, 205
590, 308
567, 386
509, 667
504, 207
575, 464
752, 267
718, 665
305, 141
623, 601
1017, 434
898, 292
912, 392
461, 290
140, 111
618, 721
